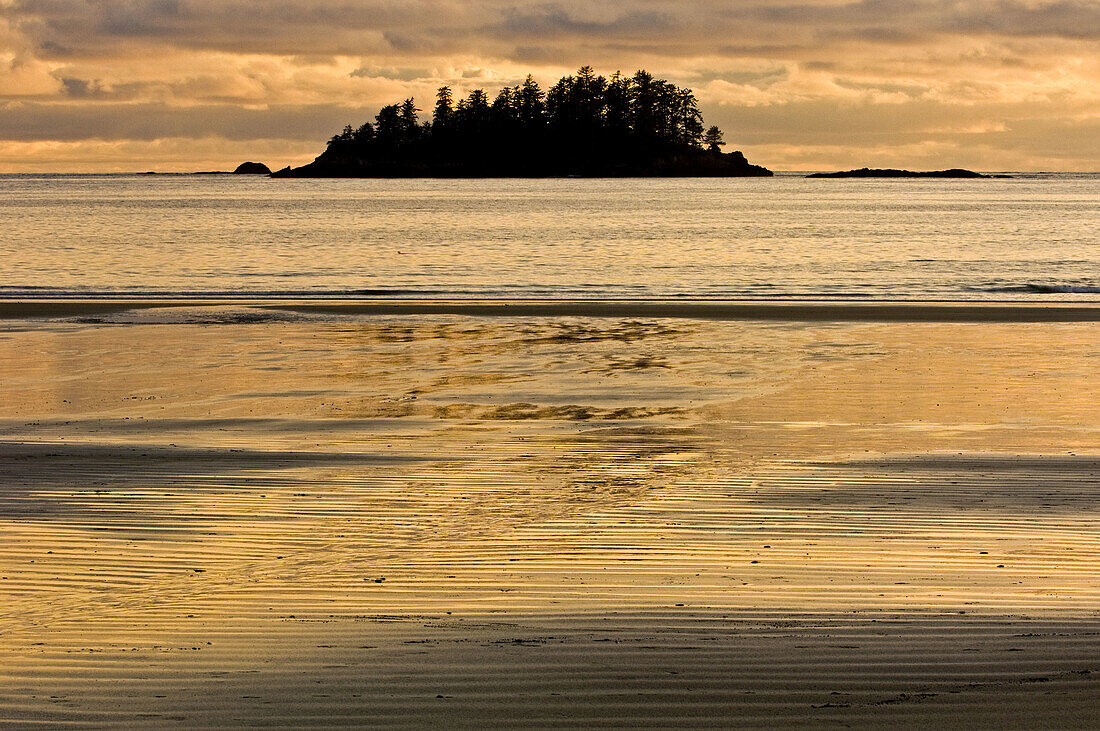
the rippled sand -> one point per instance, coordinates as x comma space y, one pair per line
216, 518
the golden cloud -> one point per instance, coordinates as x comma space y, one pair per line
798, 83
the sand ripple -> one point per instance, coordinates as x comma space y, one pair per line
877, 536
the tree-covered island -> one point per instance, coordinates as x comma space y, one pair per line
585, 125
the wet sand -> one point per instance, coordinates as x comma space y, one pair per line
795, 310
230, 516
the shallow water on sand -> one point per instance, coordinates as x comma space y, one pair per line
1034, 237
407, 520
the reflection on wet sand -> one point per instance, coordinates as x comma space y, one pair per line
412, 519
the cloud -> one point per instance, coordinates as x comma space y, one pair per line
548, 22
164, 155
60, 122
776, 74
67, 28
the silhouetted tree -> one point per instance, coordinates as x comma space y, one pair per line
587, 102
617, 109
343, 137
531, 105
644, 106
476, 114
713, 139
443, 114
410, 120
364, 135
388, 130
688, 121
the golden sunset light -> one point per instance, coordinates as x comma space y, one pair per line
417, 364
181, 85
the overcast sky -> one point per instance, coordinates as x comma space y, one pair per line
110, 85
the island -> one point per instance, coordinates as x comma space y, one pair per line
252, 168
585, 125
892, 173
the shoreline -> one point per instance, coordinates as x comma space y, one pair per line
767, 310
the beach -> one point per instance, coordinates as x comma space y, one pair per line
525, 513
537, 364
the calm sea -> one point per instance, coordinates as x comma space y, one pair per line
1032, 237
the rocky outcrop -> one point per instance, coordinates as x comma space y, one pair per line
892, 173
252, 168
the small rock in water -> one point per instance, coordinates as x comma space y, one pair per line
252, 168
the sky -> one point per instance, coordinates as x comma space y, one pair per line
184, 85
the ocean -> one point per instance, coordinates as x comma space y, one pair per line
678, 496
1034, 237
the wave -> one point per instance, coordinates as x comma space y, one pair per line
38, 292
499, 292
1034, 288
1064, 288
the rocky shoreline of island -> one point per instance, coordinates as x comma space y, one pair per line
895, 173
